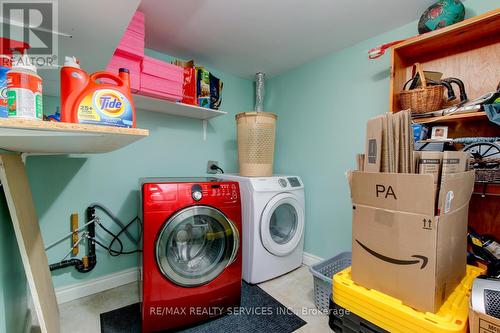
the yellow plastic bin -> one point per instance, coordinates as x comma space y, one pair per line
256, 137
392, 315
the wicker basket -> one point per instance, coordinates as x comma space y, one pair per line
423, 99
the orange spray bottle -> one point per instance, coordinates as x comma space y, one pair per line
87, 99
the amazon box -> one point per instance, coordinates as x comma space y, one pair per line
400, 247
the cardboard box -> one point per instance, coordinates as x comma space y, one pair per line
399, 246
454, 161
430, 162
483, 323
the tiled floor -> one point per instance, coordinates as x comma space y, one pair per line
294, 290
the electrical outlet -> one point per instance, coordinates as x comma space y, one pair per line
209, 164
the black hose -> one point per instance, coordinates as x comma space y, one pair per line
461, 87
91, 258
116, 238
115, 219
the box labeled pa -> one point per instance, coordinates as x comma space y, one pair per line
400, 246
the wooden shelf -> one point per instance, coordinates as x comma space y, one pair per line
463, 50
31, 136
176, 109
463, 34
452, 118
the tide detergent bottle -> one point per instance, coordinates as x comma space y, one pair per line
100, 98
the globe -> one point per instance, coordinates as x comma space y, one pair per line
441, 14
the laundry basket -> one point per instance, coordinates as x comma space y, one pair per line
323, 273
256, 136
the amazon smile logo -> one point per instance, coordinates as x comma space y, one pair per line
418, 259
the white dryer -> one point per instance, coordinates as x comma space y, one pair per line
273, 225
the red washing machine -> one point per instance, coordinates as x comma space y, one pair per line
191, 260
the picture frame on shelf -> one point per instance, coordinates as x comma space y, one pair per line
439, 133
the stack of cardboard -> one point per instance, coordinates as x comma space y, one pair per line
159, 79
130, 51
389, 143
406, 243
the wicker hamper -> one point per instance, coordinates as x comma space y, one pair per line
256, 137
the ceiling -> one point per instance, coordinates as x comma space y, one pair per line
247, 36
92, 40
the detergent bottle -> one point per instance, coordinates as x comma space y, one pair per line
7, 48
100, 98
24, 90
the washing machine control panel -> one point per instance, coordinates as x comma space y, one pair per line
196, 192
155, 195
227, 191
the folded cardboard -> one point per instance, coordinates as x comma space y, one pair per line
373, 146
454, 161
483, 323
399, 246
160, 79
162, 69
430, 162
389, 143
133, 64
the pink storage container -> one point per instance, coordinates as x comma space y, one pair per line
133, 64
161, 80
132, 41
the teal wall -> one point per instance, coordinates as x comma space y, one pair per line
322, 109
13, 287
65, 184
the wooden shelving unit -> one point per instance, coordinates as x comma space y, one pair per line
31, 136
176, 109
469, 51
485, 189
452, 118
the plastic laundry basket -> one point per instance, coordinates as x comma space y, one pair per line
323, 273
256, 136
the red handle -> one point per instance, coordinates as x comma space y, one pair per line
105, 75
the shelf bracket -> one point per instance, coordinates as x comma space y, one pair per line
205, 125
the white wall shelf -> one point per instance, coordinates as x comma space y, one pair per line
176, 109
32, 136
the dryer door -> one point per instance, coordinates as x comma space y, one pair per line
282, 224
195, 245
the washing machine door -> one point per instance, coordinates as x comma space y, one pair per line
282, 224
195, 245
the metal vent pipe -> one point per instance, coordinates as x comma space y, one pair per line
259, 91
